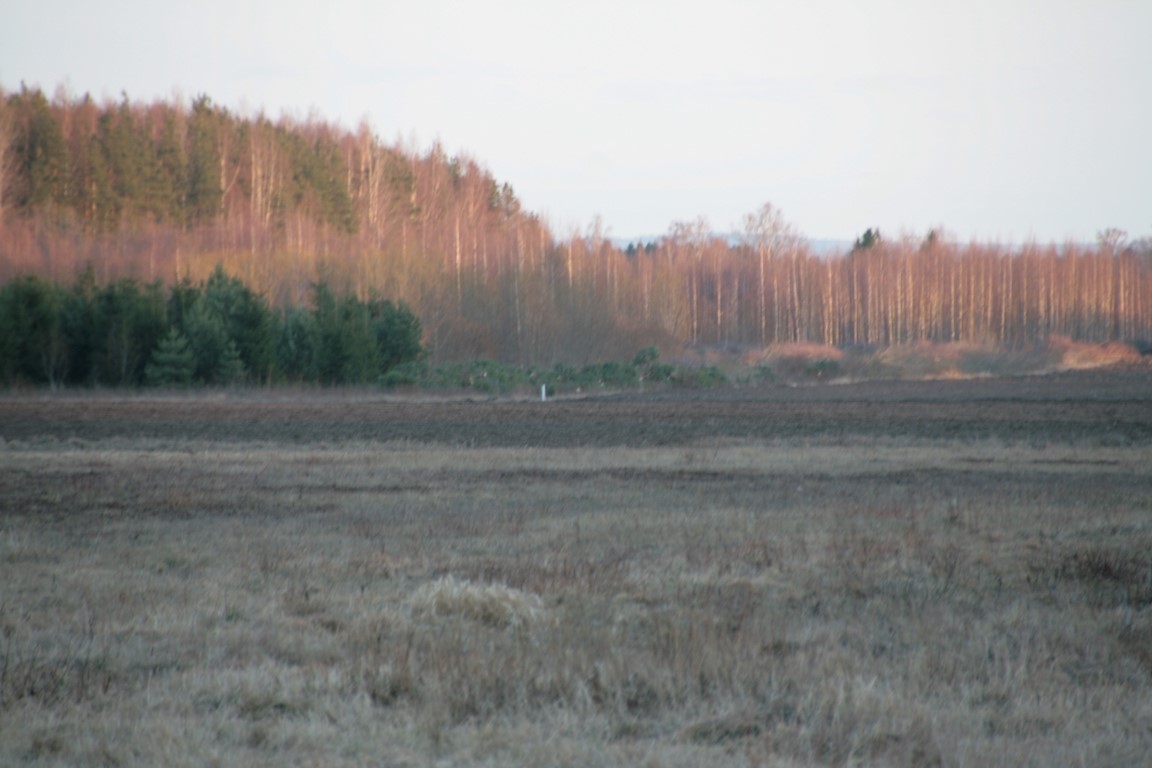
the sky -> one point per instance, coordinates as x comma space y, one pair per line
997, 120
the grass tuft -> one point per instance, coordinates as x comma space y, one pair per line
492, 604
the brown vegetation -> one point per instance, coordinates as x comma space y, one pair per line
958, 574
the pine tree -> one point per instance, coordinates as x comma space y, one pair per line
128, 323
33, 346
296, 346
230, 369
205, 191
247, 320
172, 363
870, 238
41, 153
208, 339
174, 168
397, 332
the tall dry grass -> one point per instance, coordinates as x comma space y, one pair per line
938, 603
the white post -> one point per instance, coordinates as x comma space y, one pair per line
543, 393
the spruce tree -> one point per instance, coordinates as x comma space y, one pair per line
172, 362
230, 369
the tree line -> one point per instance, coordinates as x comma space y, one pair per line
167, 191
217, 332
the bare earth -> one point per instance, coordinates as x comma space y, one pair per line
1087, 407
941, 573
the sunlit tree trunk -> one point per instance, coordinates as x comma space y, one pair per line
459, 262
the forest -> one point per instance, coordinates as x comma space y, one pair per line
216, 333
167, 198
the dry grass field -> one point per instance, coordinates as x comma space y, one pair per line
932, 574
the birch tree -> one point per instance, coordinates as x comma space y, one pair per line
768, 234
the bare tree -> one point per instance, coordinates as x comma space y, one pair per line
691, 237
770, 236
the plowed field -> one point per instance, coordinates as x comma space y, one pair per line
1088, 407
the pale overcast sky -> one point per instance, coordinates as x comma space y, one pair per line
998, 119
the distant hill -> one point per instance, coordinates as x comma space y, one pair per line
829, 247
818, 246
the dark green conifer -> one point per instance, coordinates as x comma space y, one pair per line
172, 363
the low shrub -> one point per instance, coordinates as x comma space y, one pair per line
704, 377
500, 378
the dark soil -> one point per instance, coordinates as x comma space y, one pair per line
1092, 408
